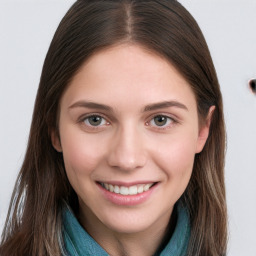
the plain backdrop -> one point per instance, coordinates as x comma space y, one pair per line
26, 29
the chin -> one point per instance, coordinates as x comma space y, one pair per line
129, 223
128, 228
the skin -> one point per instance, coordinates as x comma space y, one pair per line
129, 145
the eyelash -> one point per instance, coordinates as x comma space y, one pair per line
97, 127
171, 121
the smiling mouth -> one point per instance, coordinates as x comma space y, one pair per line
131, 190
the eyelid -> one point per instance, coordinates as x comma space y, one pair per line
174, 121
82, 118
102, 119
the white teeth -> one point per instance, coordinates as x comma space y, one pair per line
140, 189
124, 191
116, 189
111, 188
133, 190
146, 187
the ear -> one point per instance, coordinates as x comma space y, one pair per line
56, 140
204, 131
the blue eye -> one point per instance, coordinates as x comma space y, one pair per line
95, 120
161, 121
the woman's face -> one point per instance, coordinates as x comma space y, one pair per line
128, 132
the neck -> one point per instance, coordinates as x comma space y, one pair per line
143, 243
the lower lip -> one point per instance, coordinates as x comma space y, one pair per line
119, 199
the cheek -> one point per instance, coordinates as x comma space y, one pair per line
176, 155
81, 155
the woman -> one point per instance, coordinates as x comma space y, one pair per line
126, 149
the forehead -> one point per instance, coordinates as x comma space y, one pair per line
128, 72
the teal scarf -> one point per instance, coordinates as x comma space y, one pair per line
78, 242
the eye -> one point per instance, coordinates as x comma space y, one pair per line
95, 120
161, 121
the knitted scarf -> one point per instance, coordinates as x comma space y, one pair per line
78, 242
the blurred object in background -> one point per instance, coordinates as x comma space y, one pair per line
252, 85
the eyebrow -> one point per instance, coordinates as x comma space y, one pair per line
150, 107
92, 105
165, 104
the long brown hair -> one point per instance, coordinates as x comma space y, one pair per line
33, 225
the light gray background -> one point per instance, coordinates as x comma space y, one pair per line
26, 29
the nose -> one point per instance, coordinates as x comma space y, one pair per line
127, 150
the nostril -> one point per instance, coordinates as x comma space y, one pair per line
252, 85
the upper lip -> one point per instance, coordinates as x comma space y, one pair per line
127, 184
